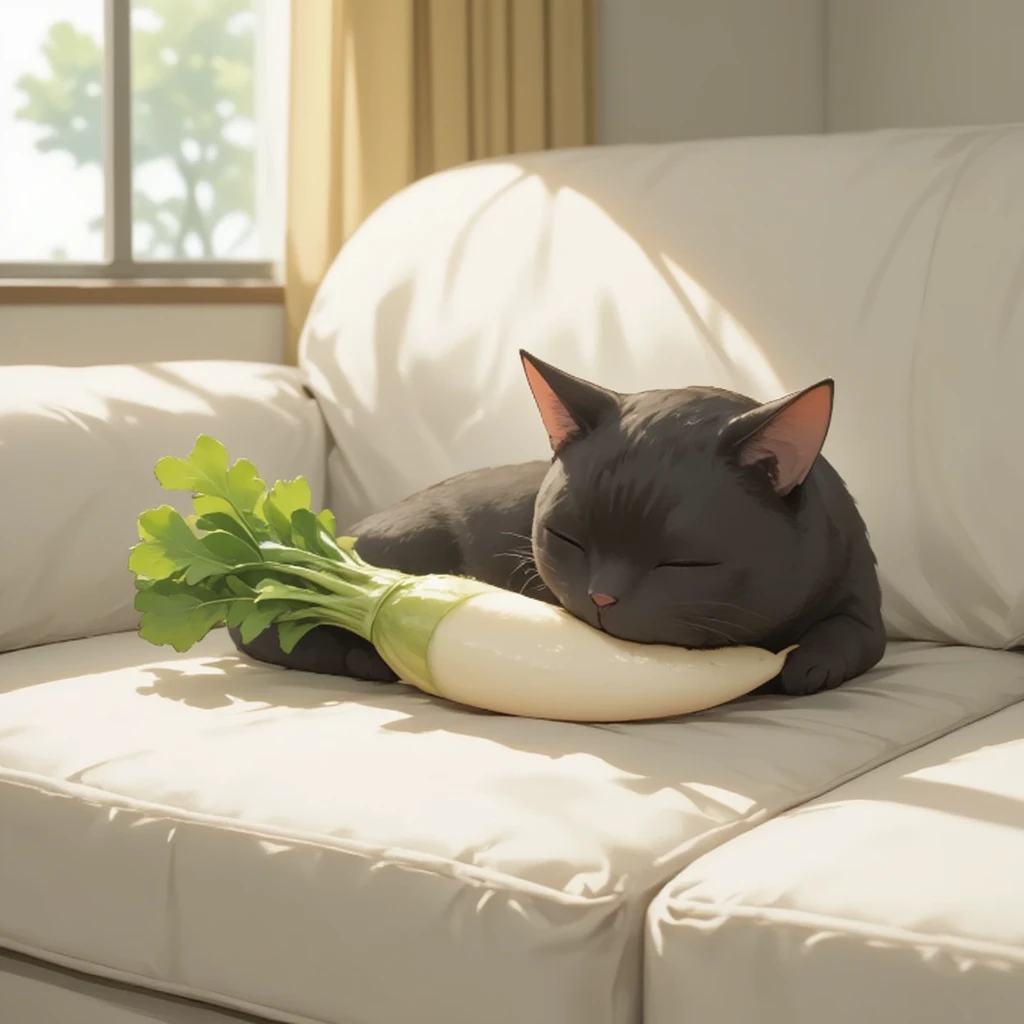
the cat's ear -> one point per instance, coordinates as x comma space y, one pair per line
786, 435
569, 407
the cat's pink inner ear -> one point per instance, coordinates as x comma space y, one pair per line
561, 427
793, 437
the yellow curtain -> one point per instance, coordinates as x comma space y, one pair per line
387, 91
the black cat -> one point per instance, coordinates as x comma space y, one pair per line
694, 517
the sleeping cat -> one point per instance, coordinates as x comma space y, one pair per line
695, 517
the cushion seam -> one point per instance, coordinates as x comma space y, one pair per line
846, 926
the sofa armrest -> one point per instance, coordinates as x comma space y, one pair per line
77, 451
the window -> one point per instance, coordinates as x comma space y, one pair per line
142, 138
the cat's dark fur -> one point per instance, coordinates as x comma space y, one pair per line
694, 517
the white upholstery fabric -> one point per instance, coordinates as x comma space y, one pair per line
891, 261
317, 849
38, 993
896, 899
77, 451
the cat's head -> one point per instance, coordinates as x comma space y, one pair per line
678, 516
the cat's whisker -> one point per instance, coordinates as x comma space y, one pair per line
721, 622
704, 624
732, 605
696, 605
524, 560
518, 536
529, 582
553, 575
720, 634
516, 552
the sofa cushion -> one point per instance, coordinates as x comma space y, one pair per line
77, 451
897, 898
891, 261
319, 849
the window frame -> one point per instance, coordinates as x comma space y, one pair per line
119, 264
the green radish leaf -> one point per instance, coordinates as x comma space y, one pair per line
291, 632
308, 533
251, 522
284, 554
239, 610
286, 497
239, 587
274, 590
347, 547
305, 531
179, 615
327, 521
280, 527
231, 549
257, 620
329, 545
206, 471
222, 521
248, 557
169, 546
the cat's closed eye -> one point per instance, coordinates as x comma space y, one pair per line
565, 538
686, 563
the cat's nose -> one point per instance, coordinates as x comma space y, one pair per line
602, 600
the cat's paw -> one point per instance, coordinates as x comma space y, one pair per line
365, 663
809, 670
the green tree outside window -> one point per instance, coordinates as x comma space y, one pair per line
192, 120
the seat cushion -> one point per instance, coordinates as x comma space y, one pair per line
319, 849
896, 899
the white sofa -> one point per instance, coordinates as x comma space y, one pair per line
194, 838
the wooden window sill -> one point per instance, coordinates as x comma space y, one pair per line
15, 292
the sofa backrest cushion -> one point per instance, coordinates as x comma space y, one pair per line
77, 451
891, 261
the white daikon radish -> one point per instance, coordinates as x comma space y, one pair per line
500, 651
505, 652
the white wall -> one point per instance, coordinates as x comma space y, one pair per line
915, 63
81, 335
684, 69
